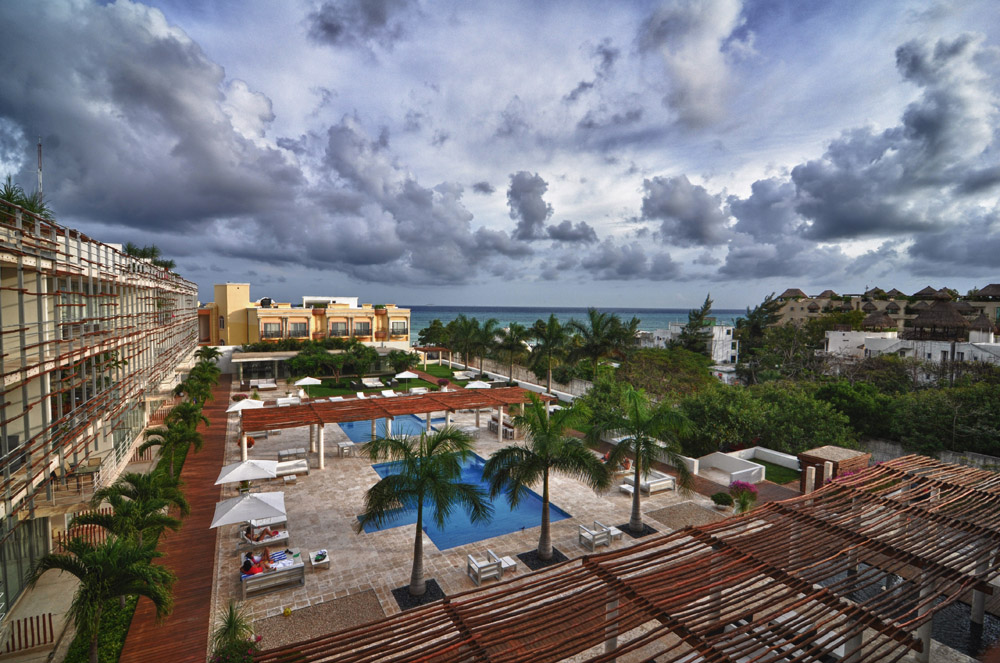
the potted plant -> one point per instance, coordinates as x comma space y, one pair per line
723, 501
744, 495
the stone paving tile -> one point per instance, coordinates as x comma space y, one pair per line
322, 509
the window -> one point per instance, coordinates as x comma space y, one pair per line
944, 355
222, 322
298, 329
272, 330
399, 328
960, 356
362, 329
338, 329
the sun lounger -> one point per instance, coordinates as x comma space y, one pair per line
491, 569
334, 399
656, 481
280, 537
289, 570
361, 395
372, 383
419, 390
288, 467
598, 536
389, 393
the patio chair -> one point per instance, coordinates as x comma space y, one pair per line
591, 538
389, 393
361, 395
419, 390
334, 399
506, 563
289, 467
490, 569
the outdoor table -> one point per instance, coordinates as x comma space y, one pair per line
285, 454
312, 559
345, 449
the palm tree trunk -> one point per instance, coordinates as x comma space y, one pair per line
545, 538
93, 637
510, 378
635, 522
480, 364
417, 584
548, 389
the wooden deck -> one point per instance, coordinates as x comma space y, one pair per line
190, 552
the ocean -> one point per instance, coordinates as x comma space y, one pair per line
649, 318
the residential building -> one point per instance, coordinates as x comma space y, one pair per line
92, 342
723, 347
232, 319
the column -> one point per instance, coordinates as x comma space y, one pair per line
810, 478
427, 422
322, 459
611, 623
978, 597
388, 426
447, 418
425, 361
373, 429
827, 471
243, 447
500, 424
312, 438
924, 631
477, 417
852, 648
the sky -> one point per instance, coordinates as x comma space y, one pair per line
632, 154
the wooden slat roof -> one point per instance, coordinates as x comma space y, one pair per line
322, 411
780, 583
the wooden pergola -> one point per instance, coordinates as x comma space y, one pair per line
853, 570
319, 412
424, 350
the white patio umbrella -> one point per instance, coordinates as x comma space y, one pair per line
307, 382
478, 384
248, 470
407, 375
248, 507
245, 404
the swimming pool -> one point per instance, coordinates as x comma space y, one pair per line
459, 530
407, 424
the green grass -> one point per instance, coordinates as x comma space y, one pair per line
343, 388
777, 473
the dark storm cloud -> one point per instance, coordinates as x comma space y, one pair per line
524, 197
769, 213
976, 247
512, 120
484, 188
689, 215
348, 23
144, 130
600, 118
606, 55
625, 262
567, 232
793, 256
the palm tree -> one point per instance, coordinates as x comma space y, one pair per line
484, 339
130, 518
462, 335
172, 441
552, 341
597, 338
117, 567
186, 414
157, 485
512, 470
649, 433
208, 353
430, 468
512, 342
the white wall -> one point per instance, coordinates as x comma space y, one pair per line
737, 468
769, 455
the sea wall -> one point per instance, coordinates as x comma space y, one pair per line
883, 450
521, 374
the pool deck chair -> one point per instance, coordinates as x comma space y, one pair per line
361, 395
389, 393
598, 536
506, 563
490, 569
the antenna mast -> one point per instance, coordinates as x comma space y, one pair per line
39, 165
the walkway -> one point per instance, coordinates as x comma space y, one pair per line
183, 636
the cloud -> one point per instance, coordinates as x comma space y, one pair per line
349, 23
512, 120
690, 36
484, 188
524, 197
611, 261
689, 215
567, 232
606, 56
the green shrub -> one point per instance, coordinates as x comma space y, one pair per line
722, 499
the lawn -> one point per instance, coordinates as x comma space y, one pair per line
777, 473
343, 388
445, 372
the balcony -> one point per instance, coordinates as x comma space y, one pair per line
381, 335
268, 335
401, 333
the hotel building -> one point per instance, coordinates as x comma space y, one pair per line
92, 344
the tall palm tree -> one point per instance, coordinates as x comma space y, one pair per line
130, 518
514, 469
117, 567
485, 339
156, 485
172, 441
186, 414
430, 469
512, 341
462, 335
551, 345
649, 433
596, 338
208, 353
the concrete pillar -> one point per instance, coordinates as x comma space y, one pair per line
477, 417
425, 361
312, 438
853, 644
427, 423
447, 418
388, 426
611, 624
979, 598
924, 631
810, 479
500, 424
243, 446
322, 459
373, 429
827, 471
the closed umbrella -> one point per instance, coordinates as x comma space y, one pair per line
248, 470
249, 507
407, 375
245, 404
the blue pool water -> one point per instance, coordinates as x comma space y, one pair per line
407, 424
459, 530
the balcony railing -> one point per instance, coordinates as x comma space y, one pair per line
270, 334
400, 332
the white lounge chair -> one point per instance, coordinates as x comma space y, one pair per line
244, 542
334, 399
288, 467
361, 395
389, 393
419, 390
372, 383
598, 536
491, 569
654, 482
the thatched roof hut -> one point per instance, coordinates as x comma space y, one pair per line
922, 305
826, 294
992, 291
982, 323
875, 292
939, 322
792, 293
965, 308
892, 307
813, 307
926, 293
869, 307
877, 321
895, 293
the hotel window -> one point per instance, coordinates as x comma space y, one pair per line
338, 329
960, 356
362, 329
272, 330
222, 322
399, 328
298, 329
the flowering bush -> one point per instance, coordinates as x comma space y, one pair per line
239, 397
744, 495
237, 652
442, 382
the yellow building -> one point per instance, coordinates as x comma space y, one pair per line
232, 319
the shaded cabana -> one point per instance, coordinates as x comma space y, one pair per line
425, 350
854, 571
317, 413
879, 321
938, 322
